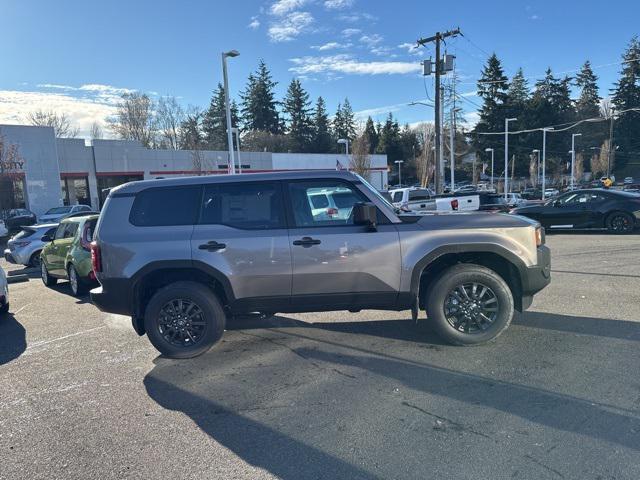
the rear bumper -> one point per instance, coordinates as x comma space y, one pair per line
538, 276
113, 296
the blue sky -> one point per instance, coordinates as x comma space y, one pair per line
78, 56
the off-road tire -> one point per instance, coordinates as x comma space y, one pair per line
461, 274
212, 313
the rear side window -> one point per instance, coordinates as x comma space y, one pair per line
70, 230
250, 206
419, 195
397, 197
156, 207
24, 233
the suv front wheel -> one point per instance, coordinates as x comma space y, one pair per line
470, 304
184, 319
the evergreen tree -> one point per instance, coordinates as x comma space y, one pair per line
626, 95
214, 121
492, 89
371, 135
409, 148
297, 108
191, 135
588, 104
518, 92
259, 107
322, 141
344, 122
389, 142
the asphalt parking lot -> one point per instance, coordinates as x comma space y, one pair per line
334, 395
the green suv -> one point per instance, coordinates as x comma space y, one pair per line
68, 254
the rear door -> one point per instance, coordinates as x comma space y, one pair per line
242, 234
61, 247
336, 263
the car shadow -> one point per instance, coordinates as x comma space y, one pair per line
263, 437
31, 272
13, 341
64, 288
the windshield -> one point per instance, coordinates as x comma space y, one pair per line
377, 193
57, 210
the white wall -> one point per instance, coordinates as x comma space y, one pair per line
37, 146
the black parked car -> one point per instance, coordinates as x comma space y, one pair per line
615, 210
18, 218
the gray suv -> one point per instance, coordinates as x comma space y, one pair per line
181, 256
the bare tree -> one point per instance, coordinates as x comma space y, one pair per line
61, 124
96, 131
425, 162
597, 166
606, 108
169, 116
360, 161
533, 170
134, 119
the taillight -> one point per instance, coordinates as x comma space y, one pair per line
21, 244
96, 257
332, 211
85, 241
539, 236
454, 204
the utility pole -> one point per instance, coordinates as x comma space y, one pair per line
437, 38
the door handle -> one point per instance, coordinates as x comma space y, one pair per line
212, 246
306, 242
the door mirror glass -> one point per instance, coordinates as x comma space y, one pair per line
365, 213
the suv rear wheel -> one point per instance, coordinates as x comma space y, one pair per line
470, 304
184, 319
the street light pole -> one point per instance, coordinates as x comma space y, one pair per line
490, 150
573, 156
506, 155
544, 158
230, 53
399, 163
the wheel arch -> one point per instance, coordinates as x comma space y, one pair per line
156, 275
494, 257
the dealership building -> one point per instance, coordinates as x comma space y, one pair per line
39, 171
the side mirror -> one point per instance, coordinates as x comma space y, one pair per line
556, 203
47, 238
365, 214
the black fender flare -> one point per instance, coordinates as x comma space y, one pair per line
480, 248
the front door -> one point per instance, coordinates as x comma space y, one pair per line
61, 244
242, 234
569, 211
336, 263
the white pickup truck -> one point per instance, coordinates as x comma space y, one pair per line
421, 200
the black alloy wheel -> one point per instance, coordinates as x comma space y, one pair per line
471, 307
181, 323
620, 223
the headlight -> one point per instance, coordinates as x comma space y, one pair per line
539, 236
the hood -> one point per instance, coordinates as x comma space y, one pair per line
464, 220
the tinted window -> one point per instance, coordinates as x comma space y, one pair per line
344, 196
165, 206
60, 231
51, 232
397, 197
320, 201
70, 230
24, 233
252, 206
419, 195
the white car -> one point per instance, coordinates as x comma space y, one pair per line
331, 204
4, 293
24, 247
55, 214
515, 200
551, 192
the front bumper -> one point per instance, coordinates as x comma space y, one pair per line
536, 277
9, 257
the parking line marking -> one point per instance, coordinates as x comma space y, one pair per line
20, 309
45, 342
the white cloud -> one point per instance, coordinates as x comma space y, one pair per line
290, 27
331, 46
350, 32
338, 4
374, 112
255, 23
411, 48
282, 7
534, 17
347, 64
371, 40
357, 17
82, 111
